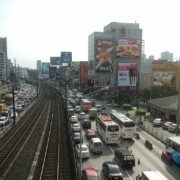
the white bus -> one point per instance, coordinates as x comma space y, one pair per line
107, 129
127, 126
78, 98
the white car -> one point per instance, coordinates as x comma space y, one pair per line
76, 127
73, 119
11, 118
113, 111
157, 122
98, 107
82, 115
84, 151
18, 107
3, 120
77, 109
173, 127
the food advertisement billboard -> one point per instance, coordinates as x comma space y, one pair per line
45, 70
127, 74
128, 48
104, 55
83, 72
75, 67
164, 78
55, 60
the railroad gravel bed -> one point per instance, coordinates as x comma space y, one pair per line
21, 167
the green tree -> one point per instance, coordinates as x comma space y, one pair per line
33, 73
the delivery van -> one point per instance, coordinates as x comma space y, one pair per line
151, 175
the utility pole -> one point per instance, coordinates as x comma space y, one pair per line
178, 110
14, 116
15, 69
18, 73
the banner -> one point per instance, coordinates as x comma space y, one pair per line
164, 78
52, 71
128, 48
75, 67
83, 72
104, 55
55, 60
45, 70
127, 74
66, 57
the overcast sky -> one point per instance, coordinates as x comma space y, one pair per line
38, 29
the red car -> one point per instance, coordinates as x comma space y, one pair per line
90, 133
90, 173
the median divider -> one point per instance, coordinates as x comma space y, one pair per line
166, 158
148, 144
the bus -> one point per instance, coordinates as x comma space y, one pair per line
173, 148
9, 99
86, 105
107, 129
127, 126
78, 98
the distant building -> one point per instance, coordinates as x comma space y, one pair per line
2, 67
148, 64
167, 55
39, 65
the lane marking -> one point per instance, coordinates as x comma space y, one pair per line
125, 170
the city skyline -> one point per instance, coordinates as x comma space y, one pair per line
39, 32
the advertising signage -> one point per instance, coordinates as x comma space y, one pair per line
164, 78
128, 48
104, 55
127, 74
83, 72
66, 57
52, 69
75, 67
55, 60
45, 70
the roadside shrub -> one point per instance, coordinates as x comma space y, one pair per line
127, 106
141, 112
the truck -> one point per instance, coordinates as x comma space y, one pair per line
151, 175
93, 113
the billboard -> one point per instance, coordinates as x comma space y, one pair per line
75, 67
66, 57
127, 74
83, 72
55, 60
128, 48
104, 55
52, 71
45, 70
164, 78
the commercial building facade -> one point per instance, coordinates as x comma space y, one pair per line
115, 52
39, 65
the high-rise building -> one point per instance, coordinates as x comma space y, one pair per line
2, 67
167, 55
118, 46
39, 65
148, 64
3, 48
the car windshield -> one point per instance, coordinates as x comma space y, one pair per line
84, 148
73, 117
92, 178
91, 132
77, 135
97, 144
114, 169
2, 119
76, 125
113, 128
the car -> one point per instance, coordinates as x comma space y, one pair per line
76, 136
18, 107
98, 107
11, 118
93, 102
73, 119
157, 122
86, 123
90, 133
75, 127
84, 151
71, 112
112, 105
90, 173
166, 125
5, 113
77, 109
173, 127
69, 107
3, 120
111, 170
103, 107
82, 116
96, 145
104, 112
7, 109
112, 111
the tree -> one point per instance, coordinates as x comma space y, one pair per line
33, 73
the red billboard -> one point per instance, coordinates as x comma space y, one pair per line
83, 72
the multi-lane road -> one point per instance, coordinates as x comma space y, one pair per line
149, 159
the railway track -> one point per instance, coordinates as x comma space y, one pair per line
13, 145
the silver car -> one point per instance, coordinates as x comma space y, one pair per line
157, 122
76, 127
173, 127
3, 121
73, 119
84, 151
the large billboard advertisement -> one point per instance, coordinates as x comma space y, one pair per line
45, 70
128, 48
75, 67
127, 74
55, 60
164, 78
83, 72
104, 55
66, 57
52, 71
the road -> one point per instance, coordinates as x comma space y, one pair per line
149, 159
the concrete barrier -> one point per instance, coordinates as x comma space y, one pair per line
166, 158
148, 144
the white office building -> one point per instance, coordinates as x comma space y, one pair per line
39, 65
2, 67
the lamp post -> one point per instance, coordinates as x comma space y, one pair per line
13, 105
